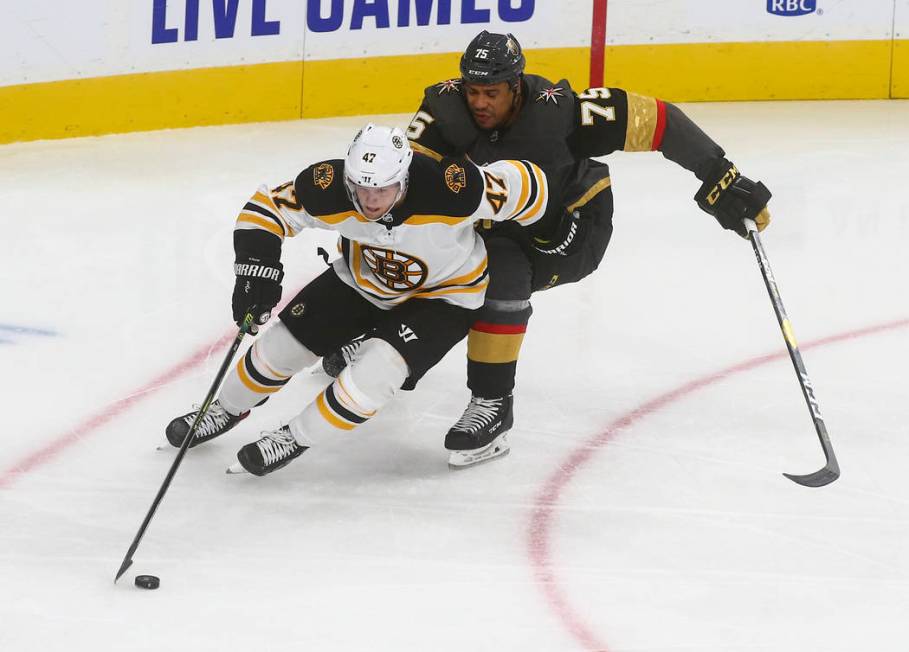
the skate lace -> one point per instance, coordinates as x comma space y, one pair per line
349, 350
277, 445
215, 419
479, 413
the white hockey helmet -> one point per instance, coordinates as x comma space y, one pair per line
378, 157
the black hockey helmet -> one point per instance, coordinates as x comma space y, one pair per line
492, 58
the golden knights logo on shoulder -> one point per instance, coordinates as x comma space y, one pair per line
449, 86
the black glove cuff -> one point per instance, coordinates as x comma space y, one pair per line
256, 243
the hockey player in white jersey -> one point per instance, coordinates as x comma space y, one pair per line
412, 270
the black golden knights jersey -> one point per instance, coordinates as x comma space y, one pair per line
560, 130
427, 247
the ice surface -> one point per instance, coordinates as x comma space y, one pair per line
642, 507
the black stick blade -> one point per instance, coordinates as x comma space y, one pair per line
123, 568
819, 478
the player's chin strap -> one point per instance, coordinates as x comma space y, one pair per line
831, 470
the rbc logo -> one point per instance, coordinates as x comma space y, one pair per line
791, 7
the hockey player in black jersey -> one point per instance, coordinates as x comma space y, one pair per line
495, 111
412, 272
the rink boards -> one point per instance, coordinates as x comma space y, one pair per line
94, 68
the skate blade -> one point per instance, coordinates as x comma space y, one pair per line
236, 469
458, 460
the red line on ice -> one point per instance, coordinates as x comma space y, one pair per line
86, 427
546, 503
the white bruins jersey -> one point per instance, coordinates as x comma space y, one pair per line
428, 247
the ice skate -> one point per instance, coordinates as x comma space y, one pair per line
463, 459
334, 363
479, 435
274, 450
215, 423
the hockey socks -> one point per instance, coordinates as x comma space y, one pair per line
267, 367
493, 346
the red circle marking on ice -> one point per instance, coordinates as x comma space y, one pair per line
83, 429
86, 427
546, 503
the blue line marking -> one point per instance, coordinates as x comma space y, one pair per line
25, 330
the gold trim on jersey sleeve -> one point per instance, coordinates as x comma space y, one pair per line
268, 203
592, 192
533, 213
642, 123
417, 147
525, 187
260, 222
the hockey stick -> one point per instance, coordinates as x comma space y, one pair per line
128, 559
831, 470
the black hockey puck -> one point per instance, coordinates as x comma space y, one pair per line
147, 582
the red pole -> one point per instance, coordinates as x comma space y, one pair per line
597, 43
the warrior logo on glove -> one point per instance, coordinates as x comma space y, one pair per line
262, 271
257, 289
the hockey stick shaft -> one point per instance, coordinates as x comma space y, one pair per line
213, 390
831, 470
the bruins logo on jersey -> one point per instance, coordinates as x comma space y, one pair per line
455, 178
323, 175
398, 271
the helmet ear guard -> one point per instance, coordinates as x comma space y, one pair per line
378, 156
493, 58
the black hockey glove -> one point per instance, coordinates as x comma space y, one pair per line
257, 289
567, 236
732, 198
